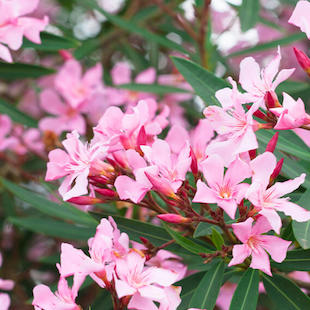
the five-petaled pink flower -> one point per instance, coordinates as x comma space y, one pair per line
13, 25
256, 245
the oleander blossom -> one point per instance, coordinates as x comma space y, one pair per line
300, 17
15, 25
255, 244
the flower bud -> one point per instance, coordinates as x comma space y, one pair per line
276, 170
194, 164
85, 200
303, 60
271, 146
271, 100
65, 54
174, 218
106, 192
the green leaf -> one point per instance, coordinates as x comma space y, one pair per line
63, 211
246, 293
288, 142
16, 115
51, 42
132, 27
217, 239
249, 14
295, 260
208, 289
204, 82
204, 229
285, 294
16, 71
53, 228
152, 88
270, 45
302, 229
186, 243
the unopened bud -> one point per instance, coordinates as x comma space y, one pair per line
194, 164
142, 137
85, 200
271, 146
303, 60
106, 192
252, 154
271, 100
174, 218
277, 170
98, 179
65, 55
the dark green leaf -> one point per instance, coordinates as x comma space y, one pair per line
217, 239
63, 211
51, 42
246, 293
285, 294
152, 88
16, 115
270, 45
249, 14
204, 229
295, 260
53, 228
185, 242
302, 229
16, 71
208, 289
204, 82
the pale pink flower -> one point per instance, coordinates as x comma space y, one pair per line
77, 89
300, 17
225, 190
132, 278
257, 83
172, 299
63, 299
225, 295
267, 200
128, 188
80, 161
66, 117
121, 74
172, 168
5, 301
235, 128
292, 114
255, 244
131, 129
14, 25
6, 141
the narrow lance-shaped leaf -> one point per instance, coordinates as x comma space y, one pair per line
205, 295
285, 294
302, 229
16, 115
246, 293
152, 88
249, 14
63, 211
203, 82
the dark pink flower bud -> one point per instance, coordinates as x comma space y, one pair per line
174, 218
106, 192
142, 137
194, 164
85, 200
303, 60
271, 146
277, 170
65, 54
271, 100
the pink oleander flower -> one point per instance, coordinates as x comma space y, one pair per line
225, 190
14, 25
5, 301
107, 243
66, 117
300, 17
75, 88
63, 299
257, 82
291, 115
128, 188
255, 244
132, 278
6, 141
267, 200
121, 74
76, 164
131, 129
172, 168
